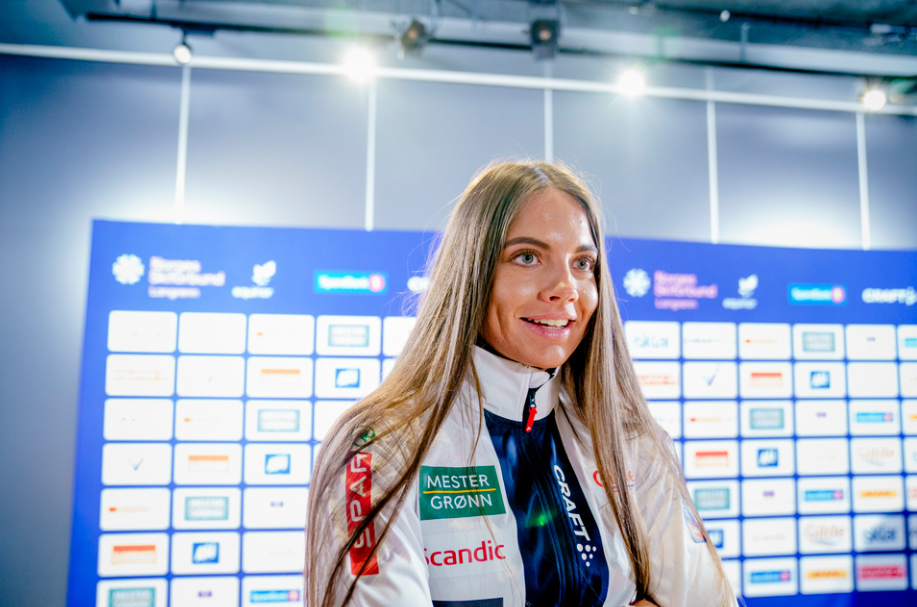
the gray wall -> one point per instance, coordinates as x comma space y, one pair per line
90, 140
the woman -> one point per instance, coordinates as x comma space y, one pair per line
509, 458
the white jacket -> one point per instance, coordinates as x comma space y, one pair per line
457, 540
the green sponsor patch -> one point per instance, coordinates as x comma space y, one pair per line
447, 492
132, 597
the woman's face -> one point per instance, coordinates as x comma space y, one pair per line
544, 284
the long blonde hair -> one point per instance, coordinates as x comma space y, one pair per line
403, 416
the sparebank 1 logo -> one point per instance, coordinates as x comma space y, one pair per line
261, 276
746, 300
637, 282
128, 269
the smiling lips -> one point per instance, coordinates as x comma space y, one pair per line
560, 323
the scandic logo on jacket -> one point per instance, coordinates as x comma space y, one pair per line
482, 554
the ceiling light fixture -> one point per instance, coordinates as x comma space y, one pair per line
413, 39
360, 64
544, 35
632, 83
874, 99
182, 52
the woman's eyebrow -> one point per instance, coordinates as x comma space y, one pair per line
543, 245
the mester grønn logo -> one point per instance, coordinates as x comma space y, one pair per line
128, 269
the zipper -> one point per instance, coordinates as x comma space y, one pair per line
530, 409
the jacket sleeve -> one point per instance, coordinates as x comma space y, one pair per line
684, 573
397, 573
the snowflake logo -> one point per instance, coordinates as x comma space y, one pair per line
127, 269
636, 283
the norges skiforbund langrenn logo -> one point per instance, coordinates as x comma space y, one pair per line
128, 269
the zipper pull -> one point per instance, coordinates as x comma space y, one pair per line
532, 410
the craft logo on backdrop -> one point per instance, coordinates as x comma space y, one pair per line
906, 296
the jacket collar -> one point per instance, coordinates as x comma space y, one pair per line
505, 386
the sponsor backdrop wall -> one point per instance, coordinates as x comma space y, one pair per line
216, 359
83, 140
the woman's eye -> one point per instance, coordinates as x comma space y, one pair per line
584, 264
526, 258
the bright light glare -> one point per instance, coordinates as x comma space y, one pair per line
360, 64
874, 99
182, 53
632, 83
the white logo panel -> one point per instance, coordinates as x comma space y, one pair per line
878, 494
715, 499
770, 577
765, 380
278, 420
764, 341
134, 509
148, 419
139, 375
208, 464
208, 420
874, 417
768, 497
649, 339
826, 574
821, 456
277, 464
710, 380
879, 532
709, 340
818, 342
907, 342
136, 463
766, 418
346, 377
273, 551
871, 342
821, 418
820, 380
908, 379
286, 334
769, 536
767, 457
881, 572
875, 455
270, 377
395, 333
667, 415
659, 380
275, 508
725, 536
872, 380
127, 554
258, 590
824, 495
711, 459
711, 419
205, 553
206, 508
211, 333
825, 534
348, 336
130, 331
326, 413
113, 593
205, 591
211, 376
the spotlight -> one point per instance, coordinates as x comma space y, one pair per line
874, 99
413, 39
632, 83
360, 64
724, 16
545, 33
182, 52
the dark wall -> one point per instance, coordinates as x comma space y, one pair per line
85, 140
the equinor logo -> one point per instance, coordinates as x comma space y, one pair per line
447, 492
